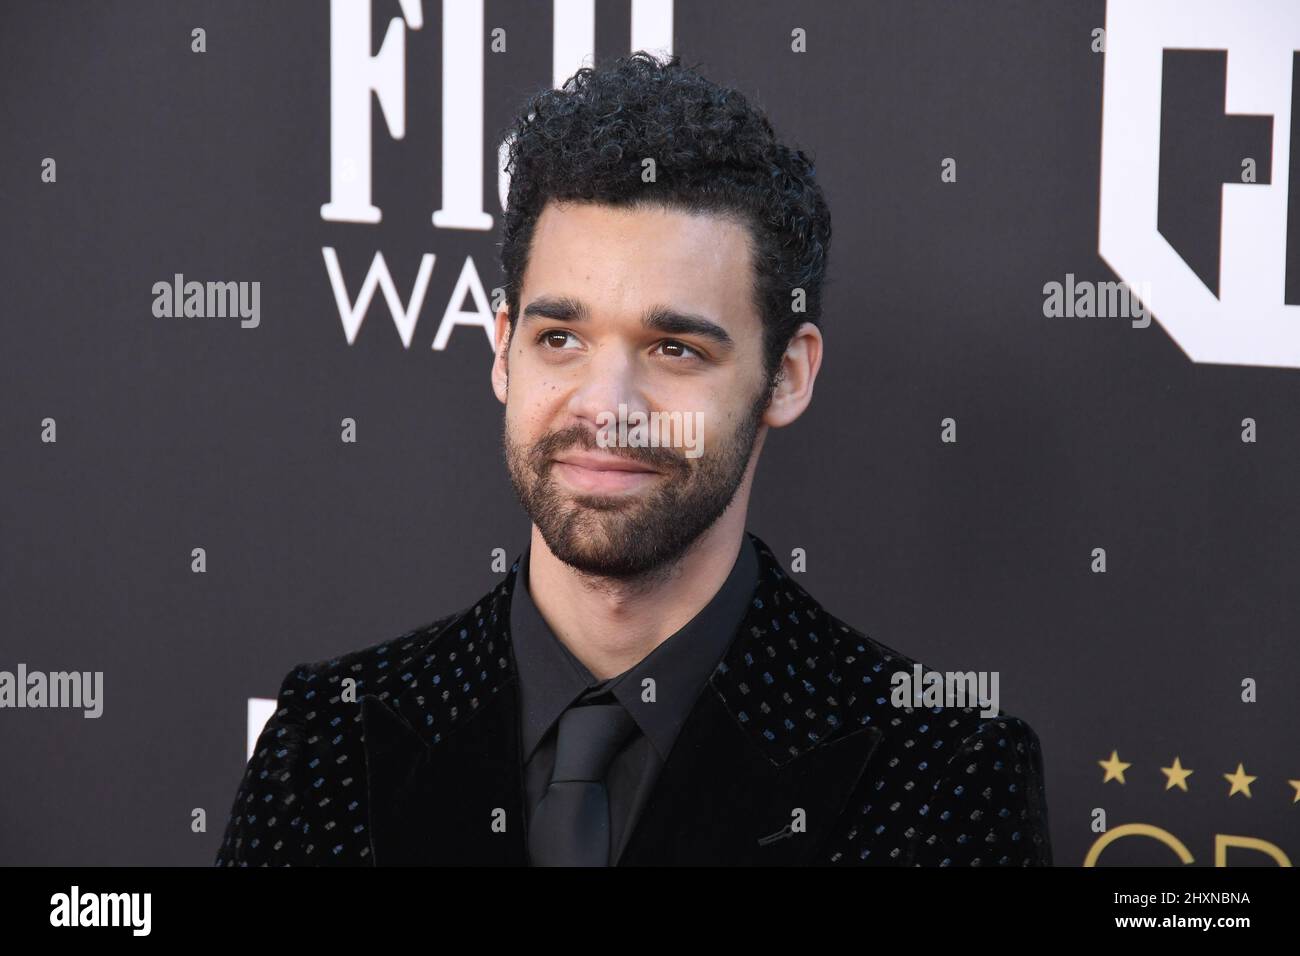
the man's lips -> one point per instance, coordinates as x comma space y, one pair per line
601, 474
603, 463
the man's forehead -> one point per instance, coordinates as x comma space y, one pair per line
696, 260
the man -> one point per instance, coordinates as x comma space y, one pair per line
646, 685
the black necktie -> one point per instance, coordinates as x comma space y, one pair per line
570, 825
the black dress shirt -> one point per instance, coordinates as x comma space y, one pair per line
551, 680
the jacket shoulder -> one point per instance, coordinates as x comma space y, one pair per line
950, 786
372, 666
301, 800
989, 808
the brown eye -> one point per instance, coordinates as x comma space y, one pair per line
555, 338
680, 349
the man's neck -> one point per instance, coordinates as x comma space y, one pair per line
610, 625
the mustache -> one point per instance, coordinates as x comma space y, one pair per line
579, 437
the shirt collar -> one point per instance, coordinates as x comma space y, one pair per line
551, 677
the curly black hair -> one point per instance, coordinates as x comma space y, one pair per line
713, 153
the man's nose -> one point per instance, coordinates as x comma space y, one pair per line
610, 379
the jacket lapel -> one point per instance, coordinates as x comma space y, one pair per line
459, 803
444, 768
444, 777
720, 800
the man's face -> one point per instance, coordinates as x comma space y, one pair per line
650, 309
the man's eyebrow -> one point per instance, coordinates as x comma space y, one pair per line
659, 318
557, 309
663, 319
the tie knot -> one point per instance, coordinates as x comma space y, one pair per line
588, 739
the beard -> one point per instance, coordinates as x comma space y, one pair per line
630, 537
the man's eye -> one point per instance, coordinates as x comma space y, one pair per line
555, 338
677, 349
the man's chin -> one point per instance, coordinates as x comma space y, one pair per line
594, 548
601, 528
585, 504
602, 566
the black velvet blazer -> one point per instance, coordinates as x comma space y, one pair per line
792, 755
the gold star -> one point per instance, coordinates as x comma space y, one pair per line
1296, 784
1177, 776
1114, 768
1240, 781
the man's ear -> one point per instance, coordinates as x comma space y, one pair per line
798, 372
500, 362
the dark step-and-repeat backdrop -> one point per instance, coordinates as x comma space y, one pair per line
1055, 437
